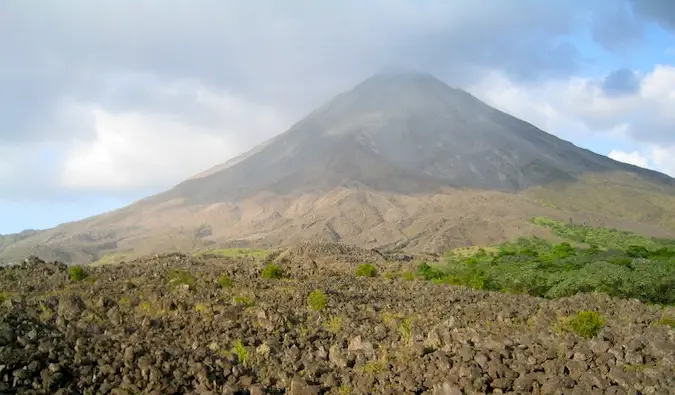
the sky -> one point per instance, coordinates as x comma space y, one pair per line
105, 102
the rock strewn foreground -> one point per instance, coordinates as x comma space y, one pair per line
129, 329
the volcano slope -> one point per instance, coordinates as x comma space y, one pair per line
314, 320
399, 161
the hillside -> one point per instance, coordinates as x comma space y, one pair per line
399, 161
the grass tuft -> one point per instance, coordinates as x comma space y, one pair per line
586, 324
317, 300
365, 270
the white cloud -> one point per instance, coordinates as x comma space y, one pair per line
664, 158
633, 158
578, 110
135, 150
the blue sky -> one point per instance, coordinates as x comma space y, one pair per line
112, 101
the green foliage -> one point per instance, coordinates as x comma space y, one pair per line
601, 237
405, 329
366, 270
317, 300
666, 320
77, 273
243, 300
181, 278
241, 352
4, 296
225, 281
614, 263
272, 271
586, 323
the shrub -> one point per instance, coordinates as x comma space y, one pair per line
333, 325
666, 320
272, 271
181, 278
77, 273
317, 300
225, 281
587, 323
241, 352
366, 270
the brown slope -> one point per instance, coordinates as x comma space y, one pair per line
369, 218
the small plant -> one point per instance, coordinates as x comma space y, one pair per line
181, 278
225, 281
243, 300
4, 296
408, 276
333, 325
317, 300
373, 367
77, 273
201, 307
241, 352
405, 330
587, 323
666, 320
272, 271
366, 270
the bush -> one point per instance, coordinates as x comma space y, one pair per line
620, 264
241, 352
181, 278
225, 281
272, 271
77, 273
317, 300
366, 270
587, 323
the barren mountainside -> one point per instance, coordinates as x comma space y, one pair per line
399, 161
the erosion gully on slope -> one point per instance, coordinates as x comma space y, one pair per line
212, 325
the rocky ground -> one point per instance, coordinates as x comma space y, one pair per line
210, 325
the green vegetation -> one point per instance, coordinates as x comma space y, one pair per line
317, 300
272, 271
181, 278
586, 323
5, 296
77, 273
405, 329
225, 281
257, 254
241, 352
366, 270
243, 300
666, 320
333, 324
618, 263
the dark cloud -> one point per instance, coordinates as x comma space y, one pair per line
661, 11
290, 53
621, 82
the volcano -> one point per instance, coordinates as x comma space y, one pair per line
402, 160
404, 133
